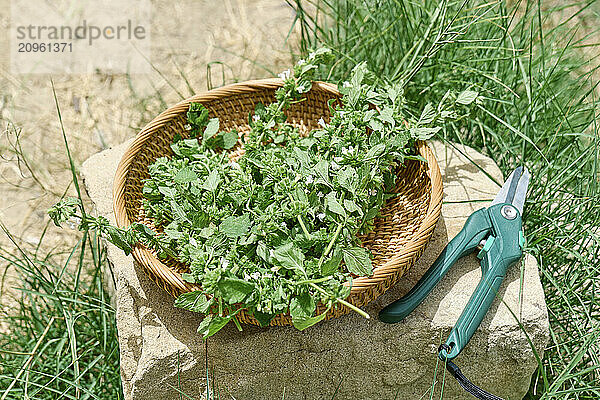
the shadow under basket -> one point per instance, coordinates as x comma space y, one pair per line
401, 232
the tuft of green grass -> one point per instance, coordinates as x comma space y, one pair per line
59, 336
539, 109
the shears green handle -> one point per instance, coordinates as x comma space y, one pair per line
500, 226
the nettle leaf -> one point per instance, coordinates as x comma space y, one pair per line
118, 238
322, 170
212, 324
197, 115
351, 207
195, 301
332, 265
427, 115
263, 319
466, 97
301, 323
302, 305
424, 133
211, 129
375, 151
168, 192
289, 256
334, 205
234, 227
376, 125
212, 181
229, 139
302, 156
357, 261
185, 175
387, 115
347, 178
234, 290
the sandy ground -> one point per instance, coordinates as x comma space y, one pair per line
100, 110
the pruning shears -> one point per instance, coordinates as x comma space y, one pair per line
497, 232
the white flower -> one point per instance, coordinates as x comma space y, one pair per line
271, 252
321, 216
267, 275
301, 61
255, 117
74, 222
274, 269
338, 159
344, 150
246, 277
224, 264
321, 122
255, 275
283, 225
285, 74
372, 192
346, 84
300, 89
312, 55
334, 165
309, 179
320, 194
187, 127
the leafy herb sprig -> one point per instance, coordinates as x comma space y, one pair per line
275, 231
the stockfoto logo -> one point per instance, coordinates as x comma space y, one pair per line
128, 31
80, 36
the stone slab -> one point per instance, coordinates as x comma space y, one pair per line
162, 356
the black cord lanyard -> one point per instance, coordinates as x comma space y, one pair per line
465, 383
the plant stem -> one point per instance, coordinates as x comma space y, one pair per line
344, 302
301, 222
307, 281
330, 245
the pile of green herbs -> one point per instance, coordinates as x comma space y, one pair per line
275, 231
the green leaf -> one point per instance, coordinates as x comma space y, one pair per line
424, 133
347, 178
263, 319
332, 265
466, 97
233, 226
185, 175
357, 261
289, 257
302, 305
375, 151
351, 207
427, 115
301, 323
334, 206
229, 139
322, 170
234, 290
212, 181
195, 301
211, 129
118, 238
387, 115
212, 324
197, 116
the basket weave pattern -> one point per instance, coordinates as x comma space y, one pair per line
401, 231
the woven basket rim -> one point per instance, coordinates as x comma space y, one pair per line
173, 278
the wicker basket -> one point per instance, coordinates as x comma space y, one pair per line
401, 232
